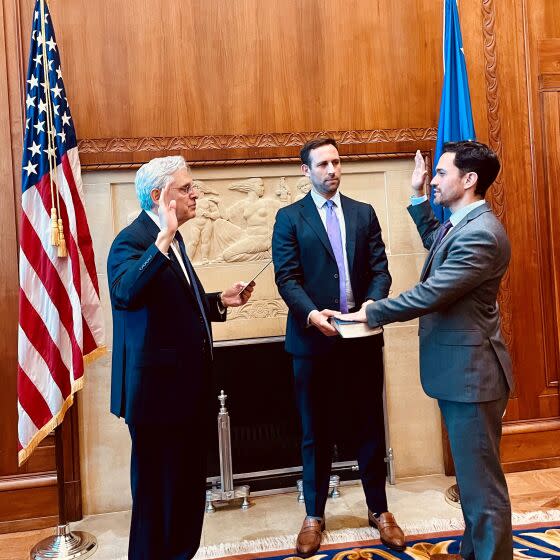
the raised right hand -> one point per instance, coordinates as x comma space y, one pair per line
320, 320
167, 220
166, 212
418, 180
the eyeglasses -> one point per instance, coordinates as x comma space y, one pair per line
187, 190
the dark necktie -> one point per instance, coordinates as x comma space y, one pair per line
442, 232
194, 285
335, 237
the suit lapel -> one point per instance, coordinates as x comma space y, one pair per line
152, 231
452, 233
350, 211
311, 215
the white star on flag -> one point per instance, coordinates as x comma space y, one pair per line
38, 60
33, 82
59, 73
35, 149
62, 136
66, 118
39, 126
30, 101
51, 151
42, 106
51, 43
56, 90
30, 168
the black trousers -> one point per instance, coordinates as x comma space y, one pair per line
168, 480
340, 398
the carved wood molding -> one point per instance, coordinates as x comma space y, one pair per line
20, 482
495, 141
256, 161
531, 426
244, 141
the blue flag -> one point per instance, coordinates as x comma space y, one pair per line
455, 114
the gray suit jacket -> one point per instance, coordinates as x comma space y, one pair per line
463, 356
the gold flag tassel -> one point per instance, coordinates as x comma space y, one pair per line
57, 228
62, 251
54, 228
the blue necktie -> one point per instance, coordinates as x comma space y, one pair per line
194, 284
335, 237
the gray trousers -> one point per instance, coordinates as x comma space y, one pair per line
475, 430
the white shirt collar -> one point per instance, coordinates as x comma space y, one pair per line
154, 217
457, 216
321, 200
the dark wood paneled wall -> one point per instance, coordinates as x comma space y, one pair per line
235, 80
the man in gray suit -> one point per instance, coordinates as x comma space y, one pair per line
464, 362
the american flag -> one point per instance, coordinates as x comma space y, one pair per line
60, 318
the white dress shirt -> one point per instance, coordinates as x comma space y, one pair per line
174, 245
455, 217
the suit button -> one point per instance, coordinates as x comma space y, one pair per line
336, 275
336, 300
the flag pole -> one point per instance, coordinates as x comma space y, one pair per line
64, 544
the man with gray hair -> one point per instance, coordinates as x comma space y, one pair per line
162, 353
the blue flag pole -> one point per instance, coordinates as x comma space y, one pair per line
455, 114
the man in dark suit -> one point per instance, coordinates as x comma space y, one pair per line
328, 255
162, 351
464, 362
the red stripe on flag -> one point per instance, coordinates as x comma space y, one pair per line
44, 190
40, 338
82, 233
89, 343
32, 401
39, 260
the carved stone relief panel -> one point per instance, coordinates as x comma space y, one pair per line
230, 237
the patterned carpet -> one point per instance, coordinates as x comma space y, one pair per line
533, 541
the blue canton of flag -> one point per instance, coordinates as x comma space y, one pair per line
44, 80
455, 115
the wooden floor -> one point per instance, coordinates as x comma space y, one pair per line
529, 491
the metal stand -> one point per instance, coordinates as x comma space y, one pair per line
389, 458
453, 496
334, 488
227, 491
64, 544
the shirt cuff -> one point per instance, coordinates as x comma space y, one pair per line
308, 321
221, 307
416, 200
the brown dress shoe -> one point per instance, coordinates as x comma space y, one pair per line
391, 534
309, 538
446, 557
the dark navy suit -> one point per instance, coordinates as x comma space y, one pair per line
339, 383
161, 387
